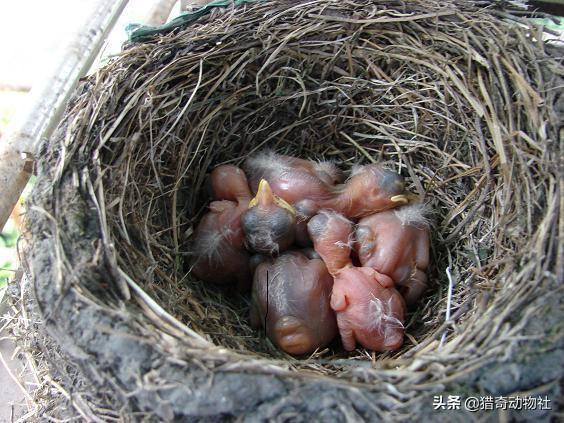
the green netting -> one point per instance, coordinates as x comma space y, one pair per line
137, 32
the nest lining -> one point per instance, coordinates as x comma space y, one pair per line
456, 98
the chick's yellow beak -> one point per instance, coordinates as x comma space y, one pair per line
402, 199
265, 197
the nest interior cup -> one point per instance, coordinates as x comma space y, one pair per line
458, 98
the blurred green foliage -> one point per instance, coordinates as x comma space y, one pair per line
9, 238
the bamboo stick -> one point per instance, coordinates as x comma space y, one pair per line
47, 101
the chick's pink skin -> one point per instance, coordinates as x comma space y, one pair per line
230, 183
291, 178
389, 244
370, 189
331, 236
305, 210
291, 296
218, 240
369, 309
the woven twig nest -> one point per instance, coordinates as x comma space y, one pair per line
462, 100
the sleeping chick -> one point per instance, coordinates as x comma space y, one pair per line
302, 183
218, 240
396, 243
291, 178
369, 309
269, 223
291, 300
370, 189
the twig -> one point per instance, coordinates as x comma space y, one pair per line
359, 147
15, 379
159, 311
449, 303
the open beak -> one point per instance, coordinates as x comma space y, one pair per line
265, 197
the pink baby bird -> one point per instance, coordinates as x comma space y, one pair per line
290, 298
218, 240
396, 243
269, 223
370, 188
369, 309
291, 178
297, 182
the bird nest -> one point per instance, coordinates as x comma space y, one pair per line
460, 99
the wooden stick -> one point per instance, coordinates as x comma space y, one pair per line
47, 101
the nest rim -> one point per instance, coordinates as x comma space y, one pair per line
72, 166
